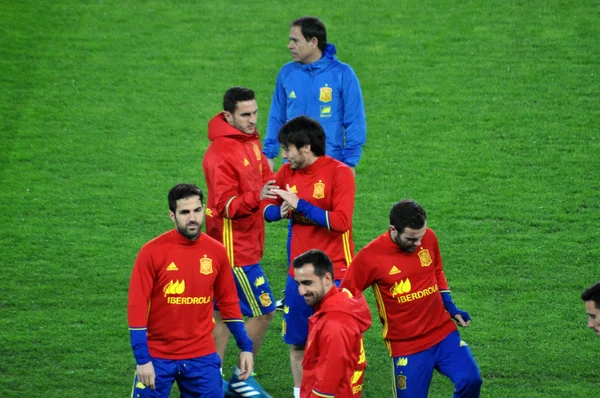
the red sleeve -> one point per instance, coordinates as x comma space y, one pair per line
223, 179
359, 274
337, 342
340, 219
437, 265
226, 295
140, 289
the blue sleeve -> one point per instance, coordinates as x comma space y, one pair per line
313, 213
139, 343
272, 213
355, 123
238, 331
277, 117
451, 308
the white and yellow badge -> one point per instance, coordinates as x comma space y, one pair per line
325, 94
319, 190
206, 265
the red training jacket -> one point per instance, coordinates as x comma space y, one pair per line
334, 360
235, 172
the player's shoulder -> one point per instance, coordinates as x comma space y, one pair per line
211, 244
288, 69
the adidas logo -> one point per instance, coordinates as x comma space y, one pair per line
292, 94
172, 267
394, 270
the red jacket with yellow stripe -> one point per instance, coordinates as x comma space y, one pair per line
235, 172
334, 360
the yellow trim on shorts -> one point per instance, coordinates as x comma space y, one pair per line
247, 289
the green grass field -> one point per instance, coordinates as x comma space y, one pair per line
484, 112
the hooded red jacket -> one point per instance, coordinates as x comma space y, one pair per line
334, 360
235, 172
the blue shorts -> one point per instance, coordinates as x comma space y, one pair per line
295, 314
197, 377
451, 357
253, 290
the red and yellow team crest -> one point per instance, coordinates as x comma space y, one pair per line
401, 382
325, 94
319, 190
425, 258
265, 299
206, 266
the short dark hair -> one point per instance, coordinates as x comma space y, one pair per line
235, 95
592, 293
301, 131
312, 27
318, 259
182, 191
407, 213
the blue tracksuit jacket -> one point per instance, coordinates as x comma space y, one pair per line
328, 91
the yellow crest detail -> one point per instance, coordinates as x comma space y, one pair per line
294, 189
259, 281
246, 162
174, 287
265, 300
209, 212
400, 288
356, 376
425, 258
402, 361
401, 382
325, 94
206, 265
319, 191
256, 151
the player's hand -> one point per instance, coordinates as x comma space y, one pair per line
461, 321
284, 210
145, 374
246, 365
288, 196
271, 164
267, 191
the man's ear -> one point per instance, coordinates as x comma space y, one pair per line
305, 149
228, 117
172, 216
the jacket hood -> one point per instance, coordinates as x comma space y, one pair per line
352, 303
327, 58
218, 127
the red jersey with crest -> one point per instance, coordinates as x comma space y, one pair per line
407, 288
235, 172
329, 185
171, 292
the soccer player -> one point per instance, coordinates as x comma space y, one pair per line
334, 361
238, 178
175, 280
591, 297
404, 268
317, 85
319, 199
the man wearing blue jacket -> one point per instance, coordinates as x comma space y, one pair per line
317, 85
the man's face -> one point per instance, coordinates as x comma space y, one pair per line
244, 117
410, 239
188, 216
593, 316
297, 158
303, 51
312, 287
